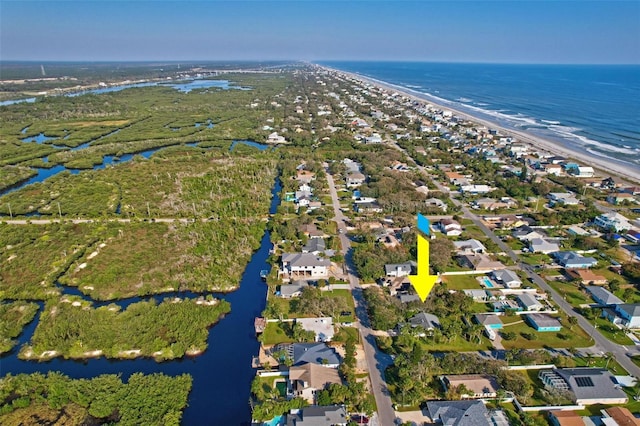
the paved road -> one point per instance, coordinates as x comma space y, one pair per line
377, 361
602, 343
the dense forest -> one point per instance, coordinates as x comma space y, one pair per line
54, 398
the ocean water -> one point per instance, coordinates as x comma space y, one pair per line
591, 107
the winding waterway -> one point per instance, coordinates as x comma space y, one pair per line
221, 375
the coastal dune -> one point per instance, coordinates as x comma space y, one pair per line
605, 166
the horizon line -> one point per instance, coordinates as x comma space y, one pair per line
314, 61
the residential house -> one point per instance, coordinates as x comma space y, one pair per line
375, 138
459, 413
398, 269
562, 199
587, 277
307, 379
612, 183
407, 297
489, 321
355, 179
426, 321
456, 178
583, 172
436, 203
565, 418
527, 233
625, 314
287, 291
620, 198
321, 327
578, 231
479, 262
529, 302
276, 138
587, 385
311, 231
541, 245
506, 305
479, 385
633, 190
475, 189
506, 221
303, 353
507, 278
621, 416
494, 204
603, 297
469, 246
633, 236
478, 295
543, 322
613, 221
573, 260
553, 169
305, 176
307, 265
314, 246
330, 415
450, 227
367, 207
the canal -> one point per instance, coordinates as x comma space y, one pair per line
222, 375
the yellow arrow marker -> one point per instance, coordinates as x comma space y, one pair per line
423, 282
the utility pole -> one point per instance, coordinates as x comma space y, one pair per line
10, 213
59, 211
148, 211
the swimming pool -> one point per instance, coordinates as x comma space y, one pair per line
487, 282
276, 421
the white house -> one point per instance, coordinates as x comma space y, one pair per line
355, 179
612, 221
321, 327
507, 278
562, 198
276, 138
305, 265
584, 172
529, 302
397, 270
540, 245
475, 189
450, 227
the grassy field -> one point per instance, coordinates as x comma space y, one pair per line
462, 282
274, 334
571, 292
568, 337
33, 257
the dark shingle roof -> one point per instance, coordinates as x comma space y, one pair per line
459, 413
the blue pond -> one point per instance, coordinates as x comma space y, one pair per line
260, 146
39, 138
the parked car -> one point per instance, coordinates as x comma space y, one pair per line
360, 419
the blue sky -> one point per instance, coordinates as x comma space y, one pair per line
448, 31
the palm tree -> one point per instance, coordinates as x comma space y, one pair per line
608, 356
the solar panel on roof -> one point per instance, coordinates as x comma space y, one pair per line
584, 382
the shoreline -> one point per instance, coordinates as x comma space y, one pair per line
603, 165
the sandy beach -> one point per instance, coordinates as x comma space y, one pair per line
604, 166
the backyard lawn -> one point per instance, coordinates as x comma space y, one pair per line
567, 337
461, 282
